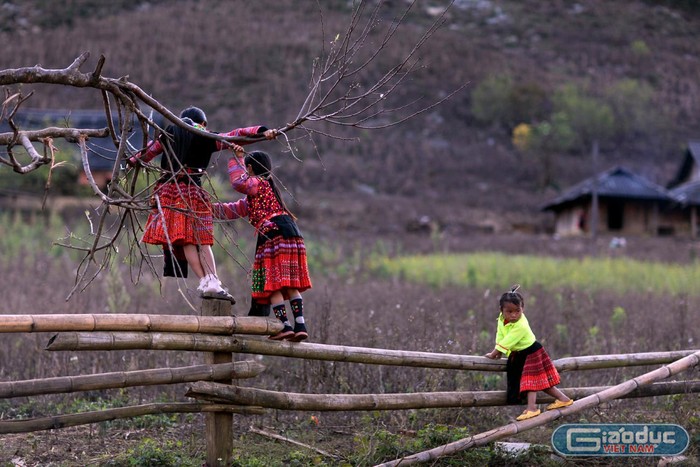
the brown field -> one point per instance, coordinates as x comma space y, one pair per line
351, 309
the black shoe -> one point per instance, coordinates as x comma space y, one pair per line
285, 333
300, 334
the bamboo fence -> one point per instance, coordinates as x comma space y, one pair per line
420, 400
84, 341
614, 392
123, 379
146, 323
84, 418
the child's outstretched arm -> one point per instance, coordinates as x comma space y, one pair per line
237, 174
230, 211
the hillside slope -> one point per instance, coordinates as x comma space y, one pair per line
248, 63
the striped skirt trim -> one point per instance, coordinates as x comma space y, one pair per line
280, 264
539, 372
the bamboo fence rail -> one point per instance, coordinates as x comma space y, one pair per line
132, 322
123, 379
83, 341
614, 392
420, 400
85, 418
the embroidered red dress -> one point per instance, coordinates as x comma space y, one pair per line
181, 209
280, 254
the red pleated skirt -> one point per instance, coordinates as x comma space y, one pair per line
280, 264
184, 218
539, 372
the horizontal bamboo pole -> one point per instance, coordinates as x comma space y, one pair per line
597, 362
135, 322
421, 400
512, 429
313, 351
85, 418
123, 379
207, 343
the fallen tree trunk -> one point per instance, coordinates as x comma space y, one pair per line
215, 392
312, 351
123, 379
85, 418
134, 322
614, 392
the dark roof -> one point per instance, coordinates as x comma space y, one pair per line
690, 159
687, 194
101, 151
617, 182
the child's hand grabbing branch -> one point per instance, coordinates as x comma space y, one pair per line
494, 354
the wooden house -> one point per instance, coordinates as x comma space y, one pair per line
685, 189
101, 151
628, 204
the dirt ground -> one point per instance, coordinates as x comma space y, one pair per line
410, 232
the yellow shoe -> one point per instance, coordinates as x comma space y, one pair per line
528, 414
557, 404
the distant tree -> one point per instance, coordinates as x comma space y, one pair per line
542, 141
499, 100
351, 85
593, 122
632, 104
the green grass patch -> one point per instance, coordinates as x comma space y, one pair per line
501, 270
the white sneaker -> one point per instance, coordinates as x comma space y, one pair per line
203, 283
210, 287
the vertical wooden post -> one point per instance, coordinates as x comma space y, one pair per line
219, 425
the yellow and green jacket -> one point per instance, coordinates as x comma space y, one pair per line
513, 336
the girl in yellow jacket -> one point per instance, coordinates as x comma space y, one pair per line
529, 368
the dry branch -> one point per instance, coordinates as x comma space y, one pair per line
614, 392
85, 418
123, 379
216, 392
312, 351
267, 434
134, 322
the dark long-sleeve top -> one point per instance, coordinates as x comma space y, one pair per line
199, 154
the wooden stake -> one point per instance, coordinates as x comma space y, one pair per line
219, 425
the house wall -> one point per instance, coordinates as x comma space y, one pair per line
570, 221
638, 218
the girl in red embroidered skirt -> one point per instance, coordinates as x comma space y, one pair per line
181, 216
280, 271
529, 368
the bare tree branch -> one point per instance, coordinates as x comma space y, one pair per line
347, 89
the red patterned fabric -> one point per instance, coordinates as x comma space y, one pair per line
186, 216
280, 264
539, 372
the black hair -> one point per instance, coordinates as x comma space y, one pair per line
195, 113
178, 147
262, 167
512, 296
